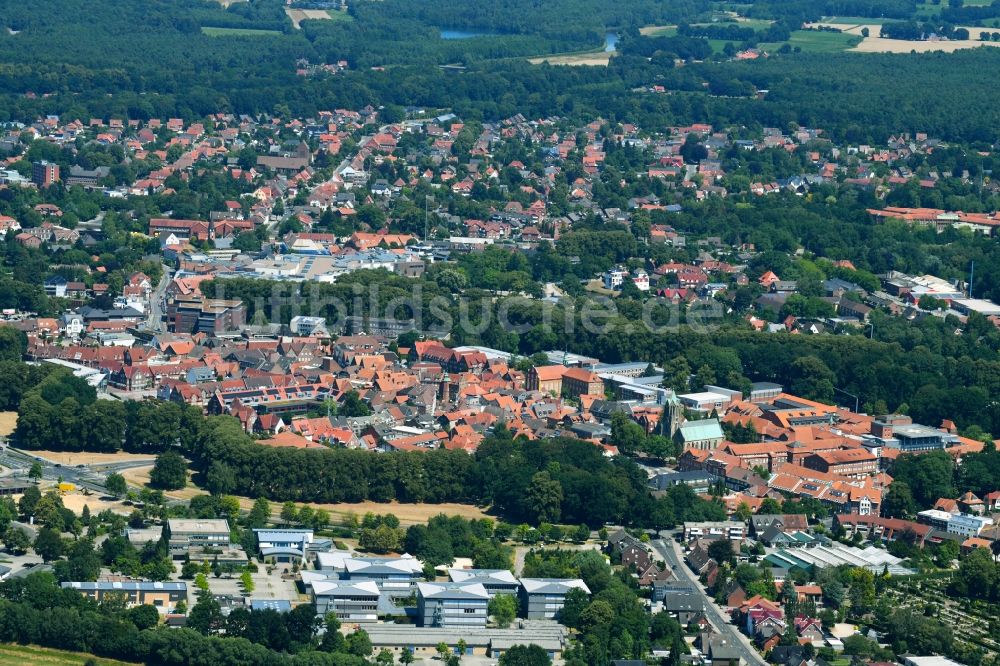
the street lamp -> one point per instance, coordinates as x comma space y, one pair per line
850, 395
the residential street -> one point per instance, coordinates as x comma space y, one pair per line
670, 551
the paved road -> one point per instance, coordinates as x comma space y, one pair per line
156, 303
84, 476
670, 551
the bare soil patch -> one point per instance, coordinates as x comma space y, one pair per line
8, 421
85, 458
595, 59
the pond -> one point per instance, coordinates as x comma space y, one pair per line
610, 42
464, 34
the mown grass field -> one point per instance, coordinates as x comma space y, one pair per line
817, 41
810, 41
31, 655
237, 32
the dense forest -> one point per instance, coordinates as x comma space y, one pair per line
145, 59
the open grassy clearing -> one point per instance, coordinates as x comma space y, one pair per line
658, 31
85, 458
237, 32
815, 41
32, 655
8, 420
76, 501
810, 41
338, 15
139, 476
845, 20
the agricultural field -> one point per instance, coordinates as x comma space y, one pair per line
875, 44
816, 41
590, 58
658, 30
237, 32
299, 15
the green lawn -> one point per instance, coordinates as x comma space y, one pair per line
237, 32
755, 24
816, 41
851, 20
338, 15
665, 31
39, 656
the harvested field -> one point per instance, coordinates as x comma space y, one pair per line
300, 15
875, 44
590, 59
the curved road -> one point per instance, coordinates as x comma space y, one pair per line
670, 551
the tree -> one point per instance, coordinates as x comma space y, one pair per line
946, 552
48, 544
16, 540
382, 539
406, 657
29, 500
115, 483
503, 609
545, 496
289, 514
83, 562
247, 581
143, 616
573, 606
169, 471
721, 550
769, 507
525, 655
359, 644
898, 501
220, 479
206, 615
35, 473
259, 514
976, 576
